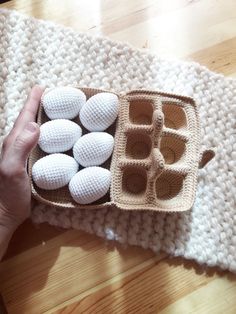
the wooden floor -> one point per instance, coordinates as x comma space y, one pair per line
47, 270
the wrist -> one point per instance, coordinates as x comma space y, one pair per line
6, 232
8, 223
5, 237
7, 228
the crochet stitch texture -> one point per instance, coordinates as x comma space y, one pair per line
40, 52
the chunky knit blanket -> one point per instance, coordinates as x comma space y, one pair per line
40, 52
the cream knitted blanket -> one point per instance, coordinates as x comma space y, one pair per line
40, 52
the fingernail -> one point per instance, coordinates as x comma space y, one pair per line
32, 127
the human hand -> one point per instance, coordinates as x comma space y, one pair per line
15, 190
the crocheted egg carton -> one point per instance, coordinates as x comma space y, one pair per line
156, 155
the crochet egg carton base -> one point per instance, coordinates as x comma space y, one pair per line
156, 155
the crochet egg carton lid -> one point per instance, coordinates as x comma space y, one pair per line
156, 155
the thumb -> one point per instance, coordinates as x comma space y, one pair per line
25, 142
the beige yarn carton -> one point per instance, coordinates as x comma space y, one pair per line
156, 155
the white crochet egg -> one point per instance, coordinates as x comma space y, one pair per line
58, 135
93, 149
54, 171
63, 102
99, 112
90, 184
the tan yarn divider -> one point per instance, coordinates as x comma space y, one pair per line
156, 156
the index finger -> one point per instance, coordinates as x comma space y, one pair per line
29, 111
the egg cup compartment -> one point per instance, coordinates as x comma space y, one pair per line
141, 110
168, 186
138, 145
172, 148
134, 184
175, 116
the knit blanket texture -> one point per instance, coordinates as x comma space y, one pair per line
39, 52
